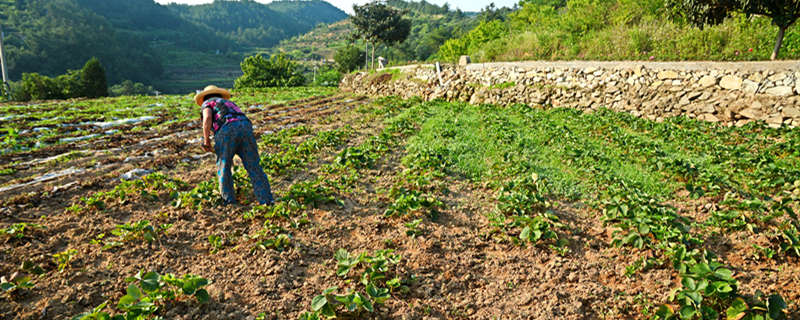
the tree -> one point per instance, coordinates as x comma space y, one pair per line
377, 22
348, 58
702, 12
277, 71
93, 79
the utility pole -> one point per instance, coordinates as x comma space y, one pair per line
6, 87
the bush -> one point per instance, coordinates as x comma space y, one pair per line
485, 32
38, 87
349, 58
328, 78
129, 88
93, 79
617, 30
278, 71
88, 82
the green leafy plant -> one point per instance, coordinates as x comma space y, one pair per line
536, 228
412, 228
63, 258
16, 284
215, 241
148, 293
377, 289
17, 230
410, 202
709, 291
271, 237
310, 193
791, 241
204, 194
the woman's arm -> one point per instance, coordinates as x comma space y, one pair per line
207, 125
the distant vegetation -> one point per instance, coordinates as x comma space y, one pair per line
142, 41
89, 82
253, 24
379, 24
276, 71
431, 26
616, 30
52, 36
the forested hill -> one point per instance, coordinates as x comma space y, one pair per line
431, 25
260, 25
137, 39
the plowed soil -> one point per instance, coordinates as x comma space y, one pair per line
461, 270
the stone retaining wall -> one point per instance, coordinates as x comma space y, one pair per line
730, 93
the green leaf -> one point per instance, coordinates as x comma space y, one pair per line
700, 269
150, 282
328, 311
776, 305
341, 255
202, 296
709, 313
687, 312
192, 283
148, 236
330, 290
664, 312
737, 308
371, 291
722, 287
365, 303
724, 274
695, 296
689, 283
6, 286
318, 302
134, 291
343, 270
525, 234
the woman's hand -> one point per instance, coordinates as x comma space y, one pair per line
207, 147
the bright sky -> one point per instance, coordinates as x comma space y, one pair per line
347, 5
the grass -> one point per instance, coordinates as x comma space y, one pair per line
576, 150
634, 171
619, 30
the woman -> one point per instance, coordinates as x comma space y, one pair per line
233, 134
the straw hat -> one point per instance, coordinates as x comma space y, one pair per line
200, 96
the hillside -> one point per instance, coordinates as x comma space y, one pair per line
174, 47
431, 25
50, 37
616, 30
254, 24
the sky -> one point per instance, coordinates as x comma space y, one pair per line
347, 5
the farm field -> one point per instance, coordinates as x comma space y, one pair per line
393, 208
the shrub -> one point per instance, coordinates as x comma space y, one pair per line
93, 79
38, 87
328, 78
485, 32
88, 82
277, 71
130, 88
349, 58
